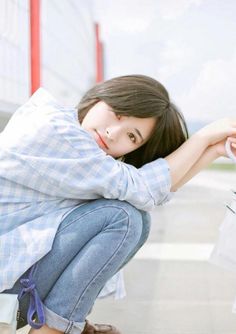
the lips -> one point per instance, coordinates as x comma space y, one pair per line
101, 141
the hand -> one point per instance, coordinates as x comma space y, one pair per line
220, 147
219, 130
230, 148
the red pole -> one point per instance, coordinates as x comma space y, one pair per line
35, 44
99, 55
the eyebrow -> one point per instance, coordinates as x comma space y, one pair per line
139, 134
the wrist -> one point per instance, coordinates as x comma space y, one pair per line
215, 151
201, 137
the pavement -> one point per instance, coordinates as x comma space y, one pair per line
171, 286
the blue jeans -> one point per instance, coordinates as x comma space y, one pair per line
92, 243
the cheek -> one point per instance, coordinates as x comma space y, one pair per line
90, 121
85, 121
124, 148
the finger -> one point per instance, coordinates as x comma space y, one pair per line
232, 139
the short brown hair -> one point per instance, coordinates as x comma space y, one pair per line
141, 96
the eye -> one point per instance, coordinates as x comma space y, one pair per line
132, 137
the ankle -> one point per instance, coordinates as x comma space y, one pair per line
45, 330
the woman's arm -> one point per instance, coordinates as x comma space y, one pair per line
198, 151
208, 156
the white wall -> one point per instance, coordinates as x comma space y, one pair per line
14, 55
68, 48
67, 51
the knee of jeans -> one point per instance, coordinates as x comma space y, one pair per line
133, 221
146, 217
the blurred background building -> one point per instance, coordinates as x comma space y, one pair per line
189, 45
46, 43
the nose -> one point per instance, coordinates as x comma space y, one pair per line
113, 133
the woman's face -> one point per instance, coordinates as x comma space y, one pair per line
117, 135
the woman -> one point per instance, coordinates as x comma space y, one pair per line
75, 195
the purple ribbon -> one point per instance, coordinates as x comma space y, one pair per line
35, 306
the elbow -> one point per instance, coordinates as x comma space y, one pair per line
173, 189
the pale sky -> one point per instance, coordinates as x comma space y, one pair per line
188, 45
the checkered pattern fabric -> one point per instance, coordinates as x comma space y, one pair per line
49, 165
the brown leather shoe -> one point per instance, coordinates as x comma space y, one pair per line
99, 328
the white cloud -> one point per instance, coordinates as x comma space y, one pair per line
190, 54
213, 94
174, 57
171, 9
133, 24
132, 16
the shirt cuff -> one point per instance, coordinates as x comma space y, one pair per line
158, 180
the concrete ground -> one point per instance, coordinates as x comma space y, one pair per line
171, 286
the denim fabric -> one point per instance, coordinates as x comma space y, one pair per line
92, 243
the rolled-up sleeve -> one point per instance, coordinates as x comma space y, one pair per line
57, 157
95, 174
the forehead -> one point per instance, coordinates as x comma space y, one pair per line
101, 105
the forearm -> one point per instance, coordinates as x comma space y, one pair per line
208, 156
182, 161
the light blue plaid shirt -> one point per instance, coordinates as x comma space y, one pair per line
49, 165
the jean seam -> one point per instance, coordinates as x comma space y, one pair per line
89, 212
69, 327
105, 266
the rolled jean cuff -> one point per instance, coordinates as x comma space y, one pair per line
55, 321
